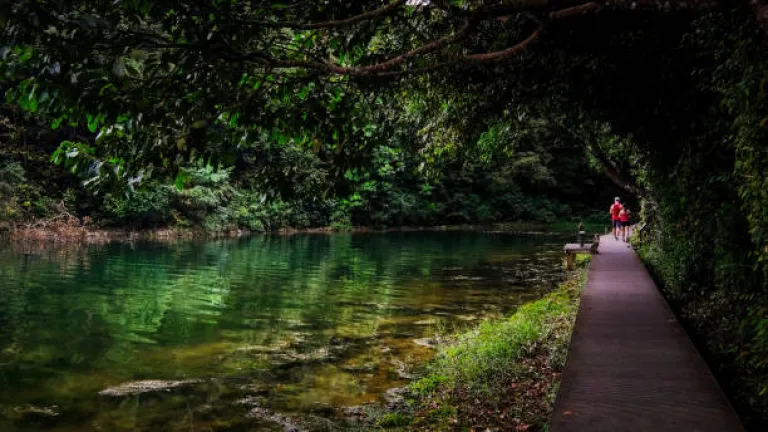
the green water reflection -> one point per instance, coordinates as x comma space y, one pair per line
291, 322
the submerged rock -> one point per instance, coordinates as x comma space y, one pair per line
354, 412
255, 388
268, 419
428, 321
265, 415
251, 401
290, 354
293, 357
359, 417
261, 349
426, 342
395, 398
339, 341
146, 386
466, 278
33, 411
402, 370
365, 367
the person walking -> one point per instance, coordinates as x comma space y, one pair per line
624, 219
616, 208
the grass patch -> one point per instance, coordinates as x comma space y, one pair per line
504, 373
394, 419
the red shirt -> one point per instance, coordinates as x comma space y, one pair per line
615, 209
624, 216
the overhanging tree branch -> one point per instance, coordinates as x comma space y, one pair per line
612, 172
473, 58
389, 8
374, 69
548, 10
491, 12
609, 168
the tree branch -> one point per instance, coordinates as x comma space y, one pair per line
613, 173
609, 168
471, 20
505, 53
383, 68
570, 12
365, 70
391, 7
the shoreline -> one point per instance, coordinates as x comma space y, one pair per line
517, 359
71, 233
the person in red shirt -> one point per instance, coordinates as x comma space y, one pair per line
624, 219
616, 208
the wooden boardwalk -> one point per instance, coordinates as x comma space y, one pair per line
630, 366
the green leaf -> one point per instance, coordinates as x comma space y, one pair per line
57, 122
93, 123
180, 180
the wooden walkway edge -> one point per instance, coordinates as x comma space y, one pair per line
630, 366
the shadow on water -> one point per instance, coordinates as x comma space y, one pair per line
226, 334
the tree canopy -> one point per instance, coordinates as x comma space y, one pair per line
157, 83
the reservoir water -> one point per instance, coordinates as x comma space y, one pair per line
242, 334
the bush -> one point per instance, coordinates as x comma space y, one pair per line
341, 220
12, 179
146, 207
21, 199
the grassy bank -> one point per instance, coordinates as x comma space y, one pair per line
502, 375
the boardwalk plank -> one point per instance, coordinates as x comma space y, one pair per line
630, 366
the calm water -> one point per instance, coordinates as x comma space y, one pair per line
297, 325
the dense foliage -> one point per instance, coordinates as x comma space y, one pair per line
278, 186
709, 242
687, 131
264, 115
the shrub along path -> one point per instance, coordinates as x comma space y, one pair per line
630, 366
